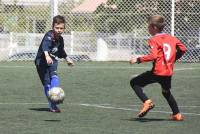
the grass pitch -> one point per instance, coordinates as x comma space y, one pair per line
99, 100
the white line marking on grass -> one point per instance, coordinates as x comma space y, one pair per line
183, 69
83, 67
23, 103
130, 109
16, 66
101, 67
105, 106
112, 67
166, 106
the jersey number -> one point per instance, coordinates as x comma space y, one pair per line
167, 51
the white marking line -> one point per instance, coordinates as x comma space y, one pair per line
16, 67
182, 69
40, 103
101, 67
162, 106
22, 103
82, 67
105, 107
129, 109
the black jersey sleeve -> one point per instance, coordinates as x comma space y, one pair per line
62, 53
46, 43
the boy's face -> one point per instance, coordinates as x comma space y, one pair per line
59, 28
152, 29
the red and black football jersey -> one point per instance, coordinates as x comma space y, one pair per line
163, 48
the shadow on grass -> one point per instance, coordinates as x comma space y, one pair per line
52, 120
40, 109
147, 119
45, 110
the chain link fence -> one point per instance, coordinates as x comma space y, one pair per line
96, 30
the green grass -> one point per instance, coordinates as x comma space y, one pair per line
99, 100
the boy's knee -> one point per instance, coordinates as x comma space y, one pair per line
53, 73
135, 82
132, 82
54, 76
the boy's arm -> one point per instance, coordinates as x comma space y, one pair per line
69, 61
64, 55
180, 50
45, 48
152, 53
48, 58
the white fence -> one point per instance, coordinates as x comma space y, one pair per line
97, 30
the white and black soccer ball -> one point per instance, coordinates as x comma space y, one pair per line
56, 94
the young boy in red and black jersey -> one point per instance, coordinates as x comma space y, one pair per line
164, 51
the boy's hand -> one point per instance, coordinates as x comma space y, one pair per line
48, 59
133, 60
69, 62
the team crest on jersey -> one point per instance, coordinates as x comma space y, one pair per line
49, 38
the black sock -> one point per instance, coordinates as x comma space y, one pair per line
171, 101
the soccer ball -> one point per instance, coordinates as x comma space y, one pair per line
56, 94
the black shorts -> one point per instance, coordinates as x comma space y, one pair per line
148, 78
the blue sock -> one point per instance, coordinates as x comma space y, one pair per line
51, 104
55, 82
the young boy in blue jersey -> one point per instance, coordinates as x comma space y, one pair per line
46, 61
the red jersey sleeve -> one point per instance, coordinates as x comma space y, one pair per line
152, 52
181, 46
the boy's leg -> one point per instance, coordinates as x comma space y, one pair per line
165, 83
173, 105
55, 82
141, 81
52, 106
44, 78
43, 73
171, 101
166, 86
137, 83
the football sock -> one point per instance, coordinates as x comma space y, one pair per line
52, 105
139, 92
171, 101
55, 82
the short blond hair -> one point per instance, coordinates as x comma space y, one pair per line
158, 21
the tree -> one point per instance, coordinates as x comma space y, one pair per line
126, 18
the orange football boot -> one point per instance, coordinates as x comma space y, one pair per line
177, 117
147, 105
